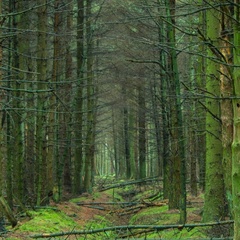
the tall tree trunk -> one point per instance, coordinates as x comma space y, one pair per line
142, 130
178, 197
236, 121
157, 126
2, 175
10, 140
201, 112
214, 206
226, 105
78, 155
21, 104
90, 145
126, 141
69, 117
41, 102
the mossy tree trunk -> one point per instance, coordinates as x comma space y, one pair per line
200, 67
236, 122
226, 104
214, 186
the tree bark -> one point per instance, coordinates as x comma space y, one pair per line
236, 126
90, 137
214, 206
41, 102
178, 197
78, 102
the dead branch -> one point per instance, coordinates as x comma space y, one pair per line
106, 203
123, 184
135, 208
129, 227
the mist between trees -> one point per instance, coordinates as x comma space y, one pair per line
120, 87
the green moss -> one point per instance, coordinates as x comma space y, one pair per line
185, 233
48, 221
79, 199
114, 195
153, 215
99, 222
161, 216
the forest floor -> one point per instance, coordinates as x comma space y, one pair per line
122, 206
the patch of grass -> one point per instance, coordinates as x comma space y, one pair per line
48, 221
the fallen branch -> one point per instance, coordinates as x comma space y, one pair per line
126, 227
96, 207
123, 184
107, 203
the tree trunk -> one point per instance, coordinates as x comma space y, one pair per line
236, 126
69, 98
78, 155
142, 130
214, 206
41, 102
178, 197
90, 143
126, 140
226, 104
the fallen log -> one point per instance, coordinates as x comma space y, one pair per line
107, 203
123, 184
130, 227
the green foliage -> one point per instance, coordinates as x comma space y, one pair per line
48, 221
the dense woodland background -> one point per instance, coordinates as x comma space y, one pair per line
133, 89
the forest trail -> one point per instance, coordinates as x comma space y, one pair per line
98, 211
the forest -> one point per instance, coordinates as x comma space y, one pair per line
106, 98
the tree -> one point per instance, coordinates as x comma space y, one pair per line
226, 78
91, 121
41, 102
236, 120
178, 196
214, 206
78, 155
